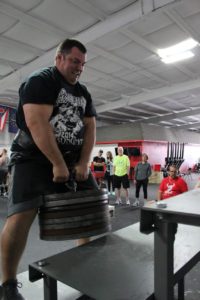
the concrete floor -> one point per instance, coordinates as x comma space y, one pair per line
124, 216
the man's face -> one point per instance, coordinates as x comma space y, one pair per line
120, 151
71, 65
172, 172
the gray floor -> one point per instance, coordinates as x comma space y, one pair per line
124, 216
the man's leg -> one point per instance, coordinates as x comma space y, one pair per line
13, 241
137, 193
145, 183
118, 194
127, 196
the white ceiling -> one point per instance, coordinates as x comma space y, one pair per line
124, 74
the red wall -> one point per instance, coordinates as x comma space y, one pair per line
157, 151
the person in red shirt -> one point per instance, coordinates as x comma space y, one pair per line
172, 185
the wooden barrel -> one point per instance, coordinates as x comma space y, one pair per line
74, 215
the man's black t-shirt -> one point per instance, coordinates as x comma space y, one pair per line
71, 103
98, 159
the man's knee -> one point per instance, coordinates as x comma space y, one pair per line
21, 221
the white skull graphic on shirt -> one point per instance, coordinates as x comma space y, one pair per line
68, 123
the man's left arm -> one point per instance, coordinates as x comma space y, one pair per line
128, 165
88, 143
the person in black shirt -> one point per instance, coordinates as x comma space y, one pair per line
56, 120
99, 163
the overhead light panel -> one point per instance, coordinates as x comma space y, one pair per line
175, 58
178, 52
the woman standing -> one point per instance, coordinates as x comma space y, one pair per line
109, 175
142, 174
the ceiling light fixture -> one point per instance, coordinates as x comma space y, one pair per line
178, 52
177, 57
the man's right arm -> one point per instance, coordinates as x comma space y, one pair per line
37, 119
159, 195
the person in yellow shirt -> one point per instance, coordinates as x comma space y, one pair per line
121, 165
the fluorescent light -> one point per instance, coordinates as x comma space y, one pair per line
177, 57
178, 48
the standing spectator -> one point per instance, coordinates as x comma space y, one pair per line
109, 172
99, 164
4, 160
172, 185
142, 174
121, 170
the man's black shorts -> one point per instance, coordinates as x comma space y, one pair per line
30, 181
121, 181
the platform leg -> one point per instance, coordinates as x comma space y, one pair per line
50, 288
164, 260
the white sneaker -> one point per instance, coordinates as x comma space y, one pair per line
118, 201
136, 203
128, 202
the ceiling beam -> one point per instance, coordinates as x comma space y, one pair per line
156, 106
159, 93
188, 126
172, 116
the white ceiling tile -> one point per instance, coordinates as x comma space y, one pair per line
112, 41
148, 83
99, 93
23, 5
10, 53
167, 36
89, 75
193, 21
112, 5
90, 54
157, 110
150, 23
109, 84
133, 53
64, 15
32, 36
188, 8
192, 65
133, 76
160, 68
6, 22
150, 62
4, 70
104, 65
173, 75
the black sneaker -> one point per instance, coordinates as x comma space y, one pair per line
10, 290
